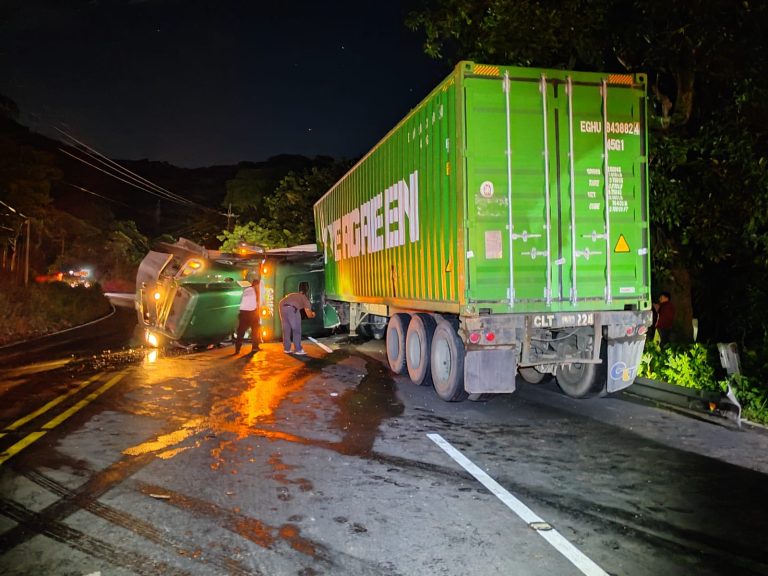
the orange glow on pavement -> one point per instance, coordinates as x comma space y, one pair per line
265, 382
165, 441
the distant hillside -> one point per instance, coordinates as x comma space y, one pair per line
86, 192
84, 210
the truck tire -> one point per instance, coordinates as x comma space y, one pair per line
378, 332
364, 331
447, 363
579, 380
418, 348
396, 330
533, 376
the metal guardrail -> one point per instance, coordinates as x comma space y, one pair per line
725, 405
702, 401
689, 398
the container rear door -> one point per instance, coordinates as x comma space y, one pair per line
546, 229
493, 176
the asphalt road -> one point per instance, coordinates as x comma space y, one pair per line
132, 462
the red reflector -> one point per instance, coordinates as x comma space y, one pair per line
490, 336
630, 331
642, 330
474, 337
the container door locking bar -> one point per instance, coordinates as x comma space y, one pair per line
548, 227
606, 194
571, 170
510, 223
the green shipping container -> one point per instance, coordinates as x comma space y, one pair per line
511, 201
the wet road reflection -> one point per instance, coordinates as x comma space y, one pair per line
214, 463
217, 409
336, 403
249, 393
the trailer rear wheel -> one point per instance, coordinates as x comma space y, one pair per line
418, 345
396, 331
533, 376
579, 380
448, 363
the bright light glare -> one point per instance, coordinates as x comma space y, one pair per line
157, 295
152, 339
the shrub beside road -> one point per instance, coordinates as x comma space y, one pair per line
39, 309
697, 366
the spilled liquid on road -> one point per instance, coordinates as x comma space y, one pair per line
235, 407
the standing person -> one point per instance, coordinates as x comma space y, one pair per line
248, 317
666, 311
290, 319
654, 318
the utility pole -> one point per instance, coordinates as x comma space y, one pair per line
26, 259
15, 256
230, 215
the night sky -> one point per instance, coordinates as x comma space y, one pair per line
208, 82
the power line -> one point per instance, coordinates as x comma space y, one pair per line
136, 180
12, 209
96, 194
111, 164
116, 177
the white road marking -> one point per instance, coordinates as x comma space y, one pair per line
573, 554
323, 346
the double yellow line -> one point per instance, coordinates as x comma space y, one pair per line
51, 424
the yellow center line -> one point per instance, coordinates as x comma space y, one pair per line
30, 438
21, 421
20, 445
35, 368
83, 403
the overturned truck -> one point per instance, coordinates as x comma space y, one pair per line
189, 296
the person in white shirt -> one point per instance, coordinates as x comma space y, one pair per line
249, 317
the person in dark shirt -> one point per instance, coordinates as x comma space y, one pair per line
666, 317
290, 319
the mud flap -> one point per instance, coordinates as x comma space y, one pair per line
623, 362
490, 370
